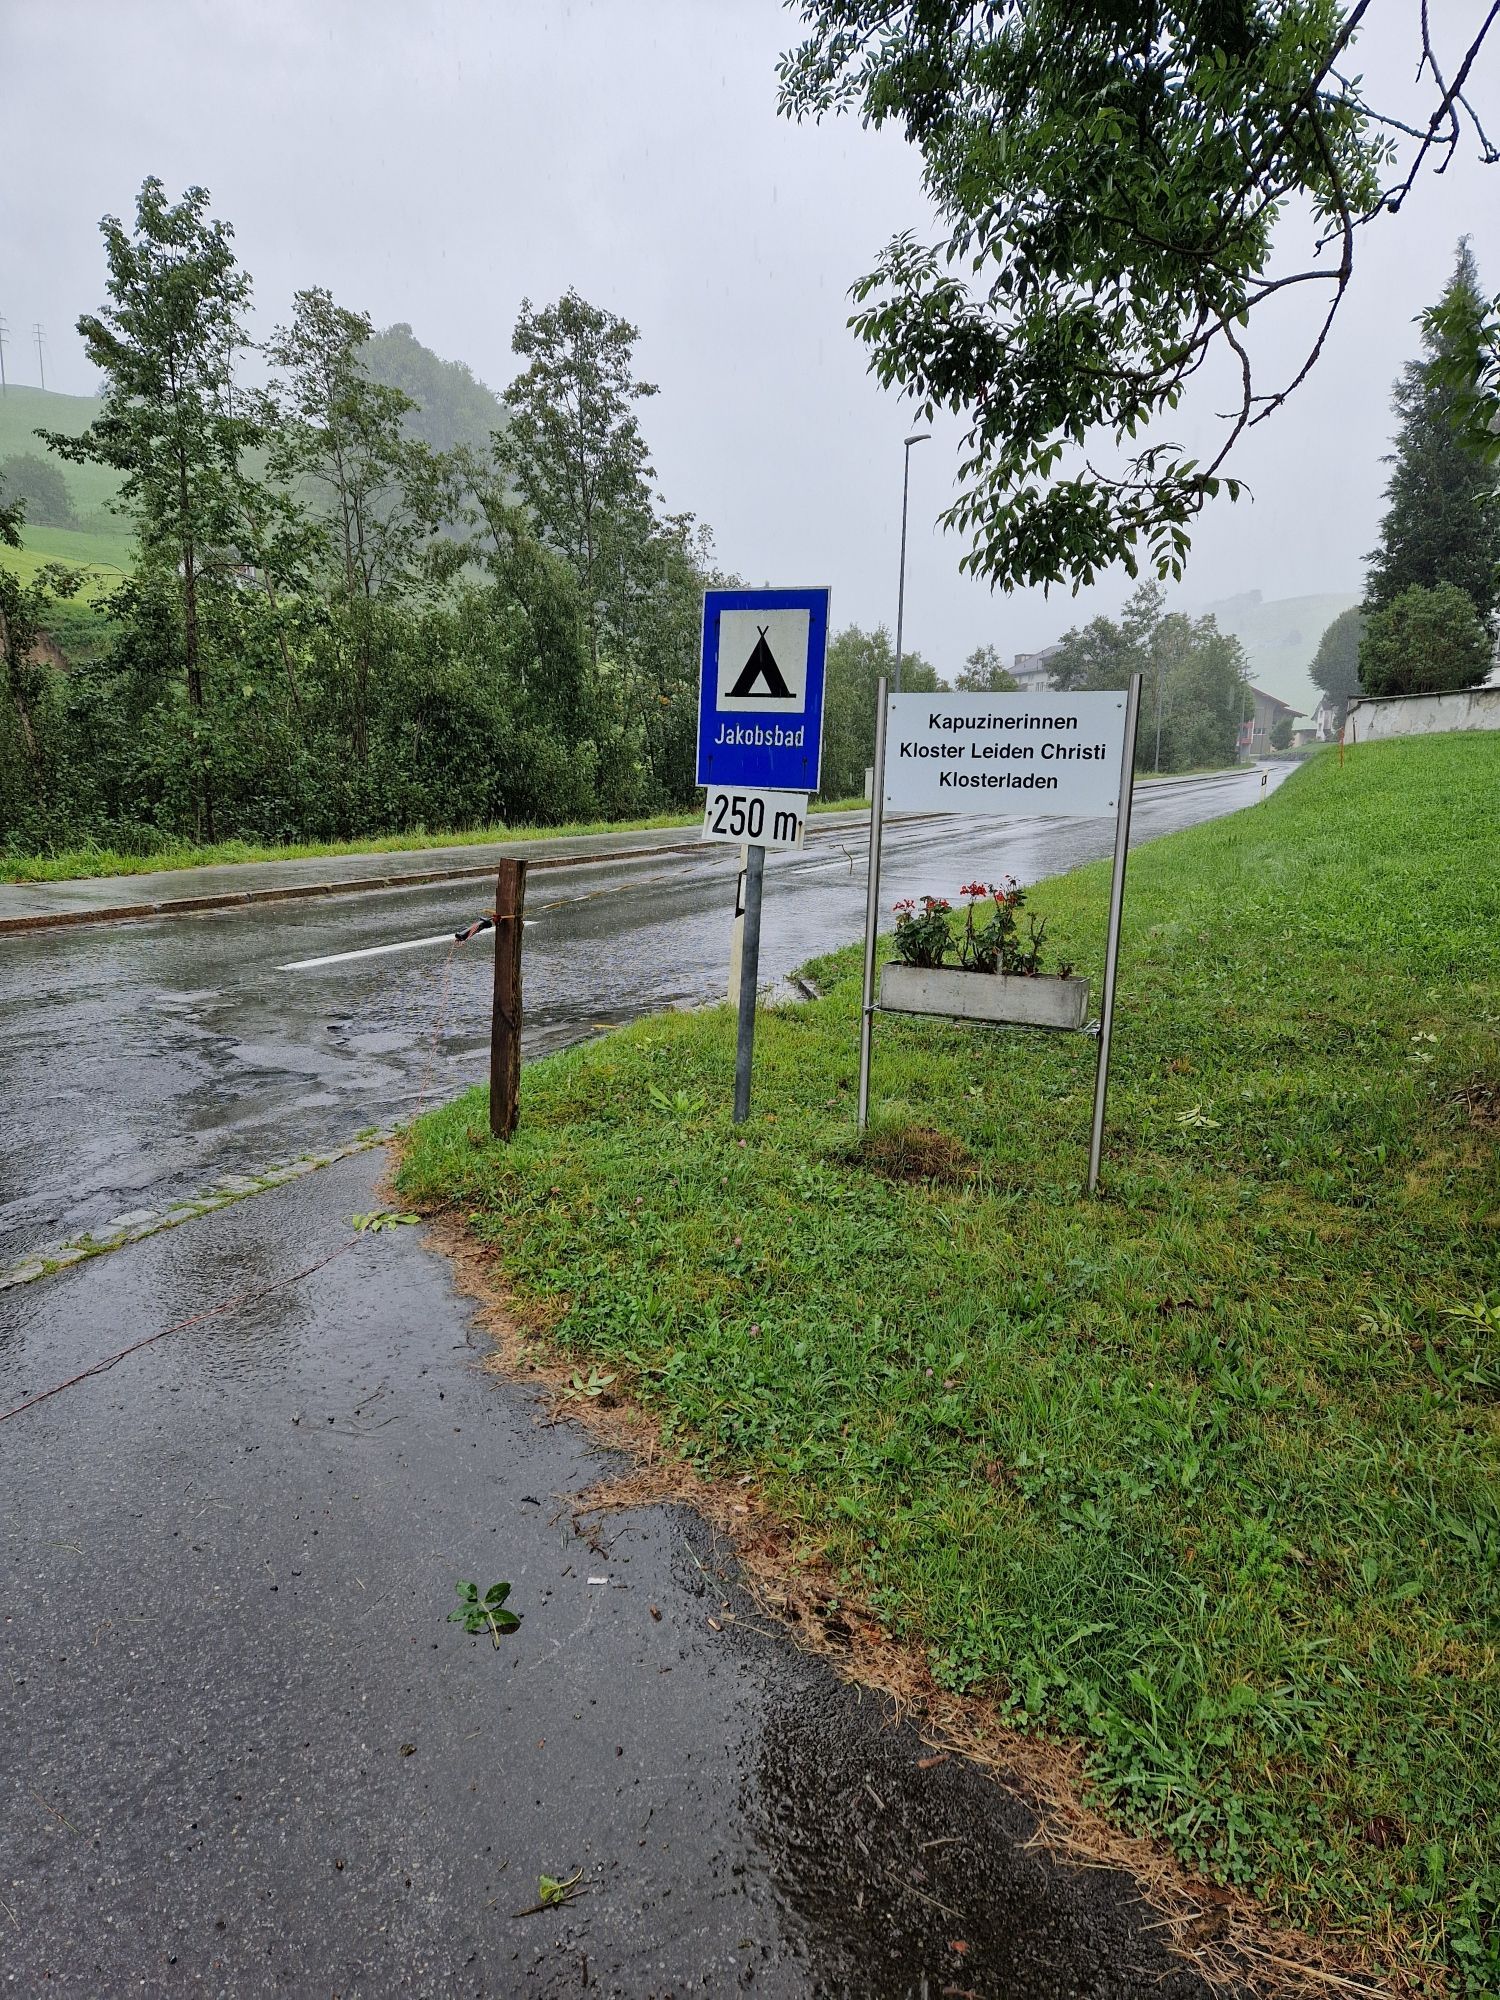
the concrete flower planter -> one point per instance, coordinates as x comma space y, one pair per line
1043, 1002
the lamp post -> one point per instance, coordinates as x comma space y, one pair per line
917, 437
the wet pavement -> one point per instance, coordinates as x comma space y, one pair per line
142, 1061
247, 1754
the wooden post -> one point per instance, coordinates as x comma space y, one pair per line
505, 1023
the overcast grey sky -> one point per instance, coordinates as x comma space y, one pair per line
436, 163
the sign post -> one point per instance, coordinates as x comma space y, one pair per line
744, 1051
1020, 756
760, 739
872, 905
1112, 942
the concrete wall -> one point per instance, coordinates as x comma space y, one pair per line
1372, 718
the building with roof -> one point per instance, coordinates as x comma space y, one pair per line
1255, 731
1032, 671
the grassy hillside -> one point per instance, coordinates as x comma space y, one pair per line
24, 411
107, 555
1281, 638
1204, 1475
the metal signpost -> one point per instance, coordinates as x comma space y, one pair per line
760, 740
1031, 756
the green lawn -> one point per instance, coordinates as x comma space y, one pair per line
107, 555
1204, 1473
73, 863
24, 411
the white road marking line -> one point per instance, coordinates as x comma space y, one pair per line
375, 950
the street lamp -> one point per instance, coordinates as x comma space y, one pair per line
917, 437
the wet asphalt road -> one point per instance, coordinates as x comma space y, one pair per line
142, 1061
247, 1755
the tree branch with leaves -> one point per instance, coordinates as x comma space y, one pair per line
1109, 179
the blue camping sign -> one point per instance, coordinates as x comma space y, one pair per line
760, 699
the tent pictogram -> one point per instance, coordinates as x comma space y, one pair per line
761, 666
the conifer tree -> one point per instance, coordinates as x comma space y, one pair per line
1442, 524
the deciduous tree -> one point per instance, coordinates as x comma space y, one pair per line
41, 486
1335, 666
1424, 642
1193, 676
166, 344
23, 611
984, 673
856, 661
376, 494
575, 450
1109, 181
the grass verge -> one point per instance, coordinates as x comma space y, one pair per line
105, 555
85, 860
1204, 1474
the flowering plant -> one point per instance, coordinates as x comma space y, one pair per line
995, 945
922, 934
991, 941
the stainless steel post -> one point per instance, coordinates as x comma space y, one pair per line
755, 869
1112, 945
872, 907
917, 437
901, 572
737, 934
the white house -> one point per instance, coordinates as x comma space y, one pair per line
1032, 672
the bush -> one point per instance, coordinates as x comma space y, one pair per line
41, 487
1424, 642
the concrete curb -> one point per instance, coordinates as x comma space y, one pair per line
187, 906
141, 1222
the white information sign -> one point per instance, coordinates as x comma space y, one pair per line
744, 816
1005, 753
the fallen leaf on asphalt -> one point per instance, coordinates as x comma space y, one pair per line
926, 1764
552, 1894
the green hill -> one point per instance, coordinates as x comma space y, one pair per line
25, 411
453, 406
1281, 638
108, 554
102, 543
